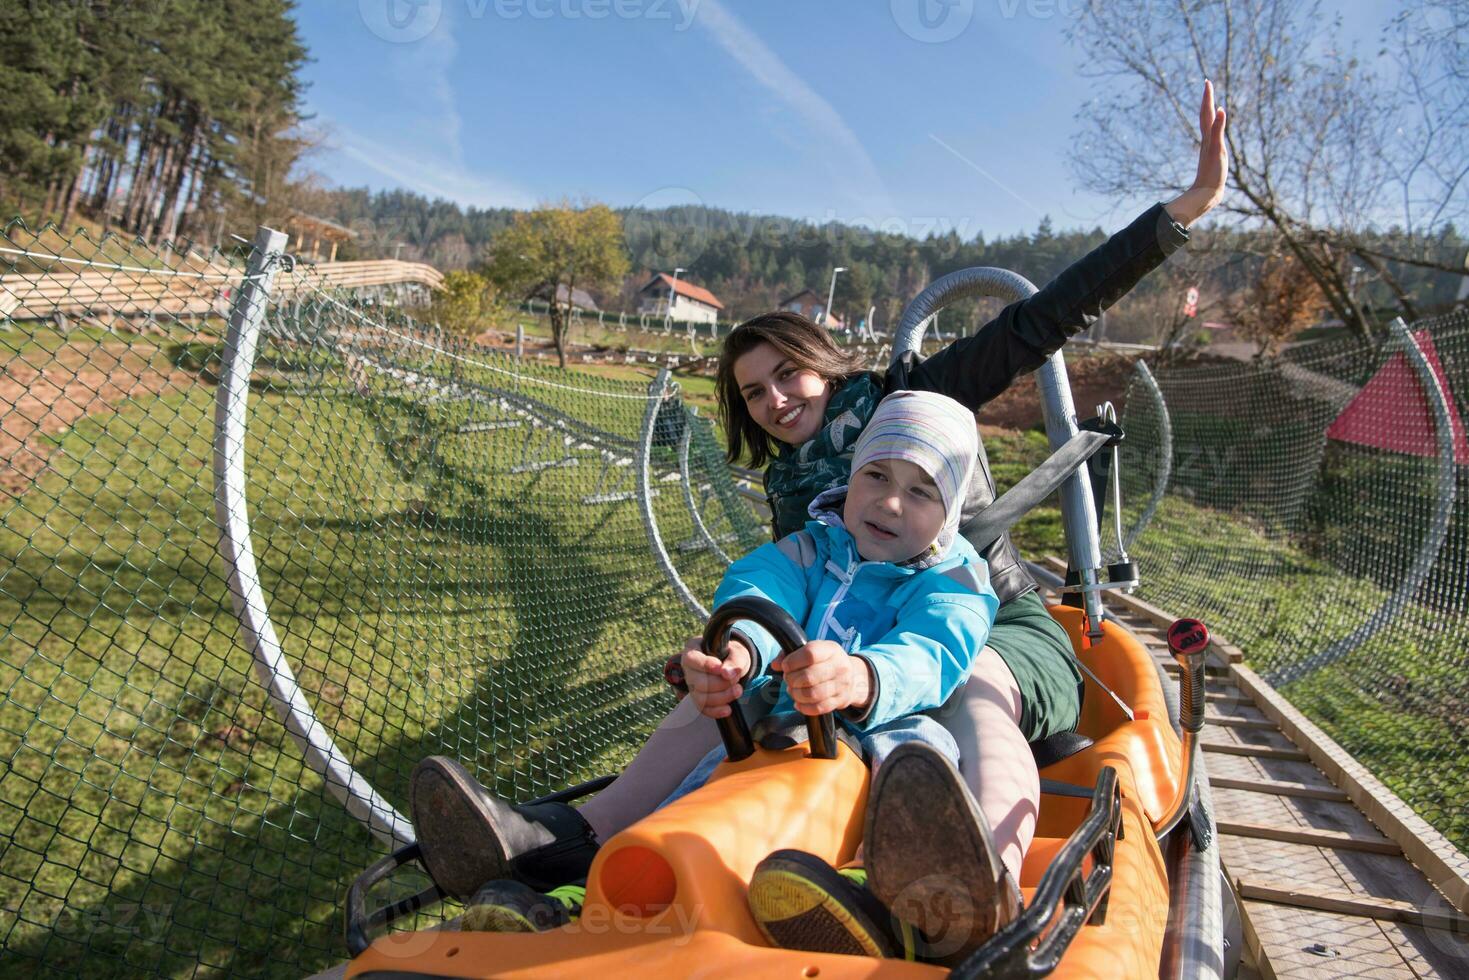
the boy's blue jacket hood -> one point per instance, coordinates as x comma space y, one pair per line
919, 626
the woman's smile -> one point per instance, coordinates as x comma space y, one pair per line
784, 399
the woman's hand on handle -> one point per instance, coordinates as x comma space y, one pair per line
1208, 186
821, 677
713, 683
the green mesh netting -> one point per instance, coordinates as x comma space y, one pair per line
452, 553
1293, 541
454, 558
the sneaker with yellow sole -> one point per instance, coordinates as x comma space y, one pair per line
511, 906
801, 902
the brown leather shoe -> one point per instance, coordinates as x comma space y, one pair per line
469, 836
929, 855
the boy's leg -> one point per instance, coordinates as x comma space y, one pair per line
994, 756
801, 902
698, 777
880, 742
469, 836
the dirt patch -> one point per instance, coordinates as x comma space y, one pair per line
43, 395
1095, 378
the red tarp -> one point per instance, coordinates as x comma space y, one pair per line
1392, 412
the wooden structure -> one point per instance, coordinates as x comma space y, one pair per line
197, 289
304, 228
1334, 875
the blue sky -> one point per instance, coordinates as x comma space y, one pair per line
852, 110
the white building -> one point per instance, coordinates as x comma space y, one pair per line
690, 302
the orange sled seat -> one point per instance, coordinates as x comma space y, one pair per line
666, 897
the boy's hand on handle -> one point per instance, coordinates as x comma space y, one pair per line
1208, 186
821, 677
714, 684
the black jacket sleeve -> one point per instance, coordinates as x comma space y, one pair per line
975, 369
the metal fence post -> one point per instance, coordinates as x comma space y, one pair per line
657, 392
1165, 451
232, 514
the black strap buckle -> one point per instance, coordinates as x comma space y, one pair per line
1097, 424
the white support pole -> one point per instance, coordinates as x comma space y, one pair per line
657, 392
232, 514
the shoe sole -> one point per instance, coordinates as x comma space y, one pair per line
794, 905
929, 855
494, 918
456, 836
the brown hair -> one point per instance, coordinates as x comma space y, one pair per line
801, 341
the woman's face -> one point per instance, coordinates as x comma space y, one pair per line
786, 401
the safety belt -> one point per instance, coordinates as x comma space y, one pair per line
986, 527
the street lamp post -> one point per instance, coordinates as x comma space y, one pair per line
672, 289
831, 293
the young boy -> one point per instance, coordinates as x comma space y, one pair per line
896, 603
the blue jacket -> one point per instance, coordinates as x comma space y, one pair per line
919, 628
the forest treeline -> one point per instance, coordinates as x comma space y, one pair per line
751, 262
183, 120
167, 119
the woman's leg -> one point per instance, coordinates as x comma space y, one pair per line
994, 756
681, 740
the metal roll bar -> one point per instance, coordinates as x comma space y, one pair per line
1078, 509
232, 514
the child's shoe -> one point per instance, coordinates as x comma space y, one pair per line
509, 906
801, 902
930, 856
468, 835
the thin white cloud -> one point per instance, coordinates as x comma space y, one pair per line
836, 141
419, 172
424, 68
988, 176
433, 161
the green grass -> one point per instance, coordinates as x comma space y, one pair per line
1397, 703
160, 819
428, 599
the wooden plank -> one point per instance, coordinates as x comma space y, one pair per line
1387, 909
1255, 751
1315, 838
1225, 721
1280, 789
1445, 865
1283, 937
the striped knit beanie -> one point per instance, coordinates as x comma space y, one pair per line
933, 432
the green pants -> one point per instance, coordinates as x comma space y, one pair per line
1038, 652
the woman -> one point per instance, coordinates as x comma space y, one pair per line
796, 403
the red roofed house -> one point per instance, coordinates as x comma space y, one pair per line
690, 302
812, 306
